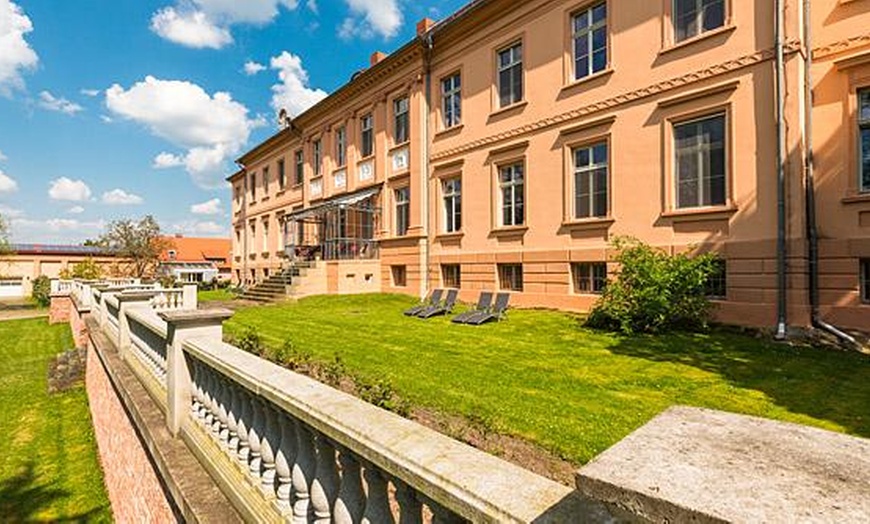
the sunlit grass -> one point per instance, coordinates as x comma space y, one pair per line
541, 376
49, 470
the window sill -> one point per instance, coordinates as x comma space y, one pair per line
510, 231
702, 213
578, 83
858, 198
406, 143
297, 187
365, 159
518, 106
698, 38
441, 237
448, 132
391, 239
588, 224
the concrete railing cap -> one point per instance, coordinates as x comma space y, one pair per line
191, 316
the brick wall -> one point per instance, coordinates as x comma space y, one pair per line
133, 486
59, 311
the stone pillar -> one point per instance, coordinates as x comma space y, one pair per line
59, 310
100, 307
126, 302
183, 325
188, 297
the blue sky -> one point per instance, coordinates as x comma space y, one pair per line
115, 109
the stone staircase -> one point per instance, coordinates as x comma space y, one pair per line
279, 286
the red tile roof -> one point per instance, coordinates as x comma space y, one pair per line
187, 249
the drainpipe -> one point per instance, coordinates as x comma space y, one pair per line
809, 167
781, 247
429, 44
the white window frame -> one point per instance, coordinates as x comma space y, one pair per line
515, 66
298, 168
701, 149
588, 34
451, 101
317, 153
367, 135
401, 120
863, 126
402, 196
699, 18
590, 170
452, 196
341, 146
517, 187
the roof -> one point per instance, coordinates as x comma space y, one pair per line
192, 250
59, 250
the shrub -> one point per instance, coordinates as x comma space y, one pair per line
42, 290
654, 291
380, 393
84, 270
251, 342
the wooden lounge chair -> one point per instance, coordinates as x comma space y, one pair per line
498, 311
441, 309
483, 304
434, 300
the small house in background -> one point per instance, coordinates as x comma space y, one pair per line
195, 260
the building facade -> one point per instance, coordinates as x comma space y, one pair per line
507, 146
24, 263
196, 260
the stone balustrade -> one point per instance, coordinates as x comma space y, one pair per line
285, 448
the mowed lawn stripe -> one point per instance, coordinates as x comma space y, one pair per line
541, 376
49, 469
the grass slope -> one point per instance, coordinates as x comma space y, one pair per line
215, 295
542, 377
49, 469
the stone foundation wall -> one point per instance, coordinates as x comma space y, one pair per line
131, 481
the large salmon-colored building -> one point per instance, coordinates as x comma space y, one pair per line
506, 146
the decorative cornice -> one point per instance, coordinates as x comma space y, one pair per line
621, 99
841, 46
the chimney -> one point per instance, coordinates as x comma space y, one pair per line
377, 56
424, 25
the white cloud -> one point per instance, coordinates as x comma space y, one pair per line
90, 92
252, 68
16, 55
76, 210
10, 212
206, 23
119, 197
191, 29
61, 105
7, 183
195, 227
3, 157
54, 230
293, 93
212, 207
65, 189
211, 128
312, 6
379, 17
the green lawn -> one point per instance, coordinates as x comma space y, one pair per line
215, 295
48, 465
542, 377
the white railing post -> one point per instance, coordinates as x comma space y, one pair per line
127, 301
55, 285
189, 298
182, 325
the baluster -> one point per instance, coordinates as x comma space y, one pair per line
196, 377
233, 419
244, 411
303, 473
268, 445
207, 385
255, 431
410, 507
222, 428
325, 485
378, 503
213, 421
350, 504
285, 456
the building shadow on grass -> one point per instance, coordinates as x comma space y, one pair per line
22, 499
822, 383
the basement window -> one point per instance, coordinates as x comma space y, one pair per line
865, 280
717, 283
400, 276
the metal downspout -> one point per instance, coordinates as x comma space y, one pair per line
809, 166
429, 45
781, 247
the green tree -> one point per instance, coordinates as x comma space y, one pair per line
139, 241
4, 236
85, 270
